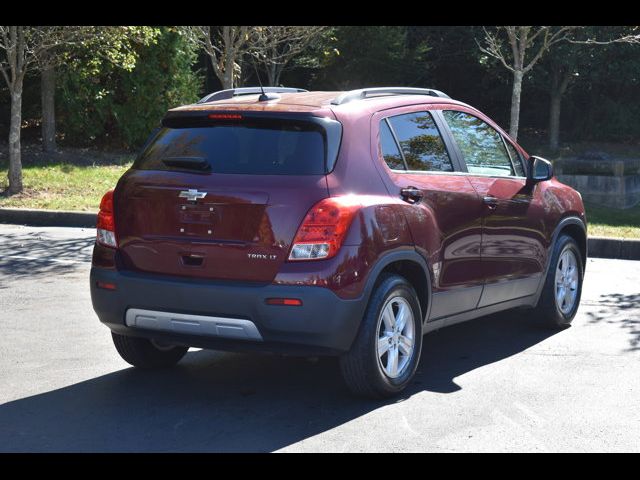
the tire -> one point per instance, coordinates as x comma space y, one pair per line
143, 353
551, 311
365, 372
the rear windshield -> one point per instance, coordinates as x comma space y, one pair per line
244, 147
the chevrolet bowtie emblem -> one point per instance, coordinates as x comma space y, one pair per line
192, 195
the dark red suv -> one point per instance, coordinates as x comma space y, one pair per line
330, 223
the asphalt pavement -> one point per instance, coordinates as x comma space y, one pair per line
498, 383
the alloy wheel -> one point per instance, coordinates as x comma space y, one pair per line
567, 278
396, 337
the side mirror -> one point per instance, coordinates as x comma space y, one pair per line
540, 170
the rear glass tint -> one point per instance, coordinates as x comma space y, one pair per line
250, 148
389, 147
421, 142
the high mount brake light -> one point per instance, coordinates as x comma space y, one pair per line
323, 229
106, 227
224, 116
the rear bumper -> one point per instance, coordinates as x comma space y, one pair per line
324, 324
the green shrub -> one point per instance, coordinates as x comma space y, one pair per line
103, 104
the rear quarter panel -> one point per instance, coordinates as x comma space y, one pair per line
379, 228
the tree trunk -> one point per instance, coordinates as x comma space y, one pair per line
278, 72
240, 74
515, 104
223, 72
271, 74
228, 70
15, 162
48, 90
559, 84
227, 81
554, 121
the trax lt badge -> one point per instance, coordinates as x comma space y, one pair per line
192, 195
261, 256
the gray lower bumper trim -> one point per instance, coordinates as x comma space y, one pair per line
192, 324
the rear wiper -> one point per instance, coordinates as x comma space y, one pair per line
192, 163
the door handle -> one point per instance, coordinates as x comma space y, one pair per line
490, 201
411, 194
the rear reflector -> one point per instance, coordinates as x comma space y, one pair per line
106, 285
294, 302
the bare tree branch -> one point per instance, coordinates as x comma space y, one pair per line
225, 46
630, 39
521, 39
494, 48
548, 41
275, 46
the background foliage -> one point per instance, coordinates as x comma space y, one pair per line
109, 104
105, 103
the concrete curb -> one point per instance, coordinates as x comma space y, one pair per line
600, 247
47, 218
620, 248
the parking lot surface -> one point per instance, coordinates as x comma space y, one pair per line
498, 383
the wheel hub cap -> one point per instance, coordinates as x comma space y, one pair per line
396, 337
567, 278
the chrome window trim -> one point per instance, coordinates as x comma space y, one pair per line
520, 158
471, 174
504, 144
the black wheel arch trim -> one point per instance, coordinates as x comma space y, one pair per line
564, 222
394, 256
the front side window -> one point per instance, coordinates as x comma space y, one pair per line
480, 144
420, 141
516, 159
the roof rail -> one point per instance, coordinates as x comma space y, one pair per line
365, 92
235, 92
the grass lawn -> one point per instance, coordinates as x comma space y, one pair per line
80, 186
63, 186
611, 222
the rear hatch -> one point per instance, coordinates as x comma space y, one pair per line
220, 196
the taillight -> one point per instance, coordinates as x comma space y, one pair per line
106, 227
323, 229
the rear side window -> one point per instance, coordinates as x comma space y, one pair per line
247, 147
389, 147
481, 145
420, 142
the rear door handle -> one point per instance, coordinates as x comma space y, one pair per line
411, 194
490, 201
